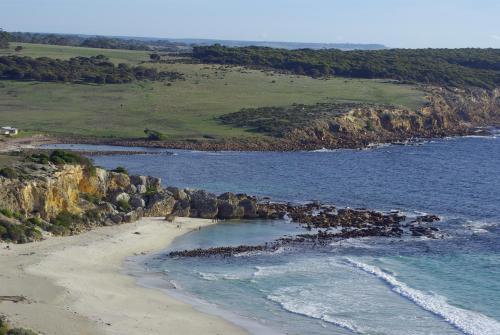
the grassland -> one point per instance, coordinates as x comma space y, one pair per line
184, 109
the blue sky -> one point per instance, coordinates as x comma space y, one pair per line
396, 23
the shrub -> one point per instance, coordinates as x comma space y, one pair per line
7, 212
20, 331
124, 205
153, 135
66, 219
120, 169
8, 172
90, 198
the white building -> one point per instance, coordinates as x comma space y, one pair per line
9, 131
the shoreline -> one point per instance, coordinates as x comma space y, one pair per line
77, 284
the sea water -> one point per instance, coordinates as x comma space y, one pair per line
357, 286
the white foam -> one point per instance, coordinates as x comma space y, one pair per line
469, 322
289, 300
217, 276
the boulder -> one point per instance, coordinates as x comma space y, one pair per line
137, 201
153, 184
139, 180
131, 189
203, 204
117, 181
182, 208
160, 204
141, 189
250, 208
229, 210
178, 193
118, 196
116, 218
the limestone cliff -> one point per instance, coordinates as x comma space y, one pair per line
447, 113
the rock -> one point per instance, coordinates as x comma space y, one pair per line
178, 193
117, 181
139, 180
137, 201
116, 218
141, 189
153, 184
131, 189
182, 208
228, 210
118, 196
160, 204
203, 204
131, 217
250, 208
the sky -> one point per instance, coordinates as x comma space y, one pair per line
395, 23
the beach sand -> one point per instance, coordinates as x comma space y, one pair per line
76, 284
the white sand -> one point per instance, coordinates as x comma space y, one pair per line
75, 285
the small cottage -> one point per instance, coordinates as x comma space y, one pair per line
9, 131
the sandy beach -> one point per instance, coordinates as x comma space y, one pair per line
76, 284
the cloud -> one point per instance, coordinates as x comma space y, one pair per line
495, 37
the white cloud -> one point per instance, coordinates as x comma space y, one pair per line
495, 37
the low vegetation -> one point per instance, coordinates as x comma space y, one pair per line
276, 121
60, 157
449, 67
97, 69
6, 330
186, 109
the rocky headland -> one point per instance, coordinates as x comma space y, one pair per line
62, 193
447, 112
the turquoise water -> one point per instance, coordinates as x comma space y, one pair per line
362, 286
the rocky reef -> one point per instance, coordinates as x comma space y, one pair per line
329, 224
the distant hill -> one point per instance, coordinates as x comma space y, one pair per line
282, 45
171, 44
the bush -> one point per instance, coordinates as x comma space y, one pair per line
120, 169
124, 205
7, 212
91, 198
8, 172
153, 135
20, 331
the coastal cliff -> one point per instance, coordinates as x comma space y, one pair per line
447, 112
64, 199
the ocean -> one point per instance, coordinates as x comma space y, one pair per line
357, 286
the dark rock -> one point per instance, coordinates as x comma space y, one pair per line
178, 193
137, 201
203, 204
250, 208
182, 208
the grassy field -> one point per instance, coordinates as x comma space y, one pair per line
184, 109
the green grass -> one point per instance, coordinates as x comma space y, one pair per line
186, 109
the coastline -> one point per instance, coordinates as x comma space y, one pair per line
76, 284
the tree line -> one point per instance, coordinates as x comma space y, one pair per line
447, 67
96, 69
4, 39
96, 42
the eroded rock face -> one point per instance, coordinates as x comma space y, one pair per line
160, 204
59, 190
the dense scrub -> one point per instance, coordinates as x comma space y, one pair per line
96, 69
276, 121
95, 42
448, 67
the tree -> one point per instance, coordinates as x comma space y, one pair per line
4, 39
154, 57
